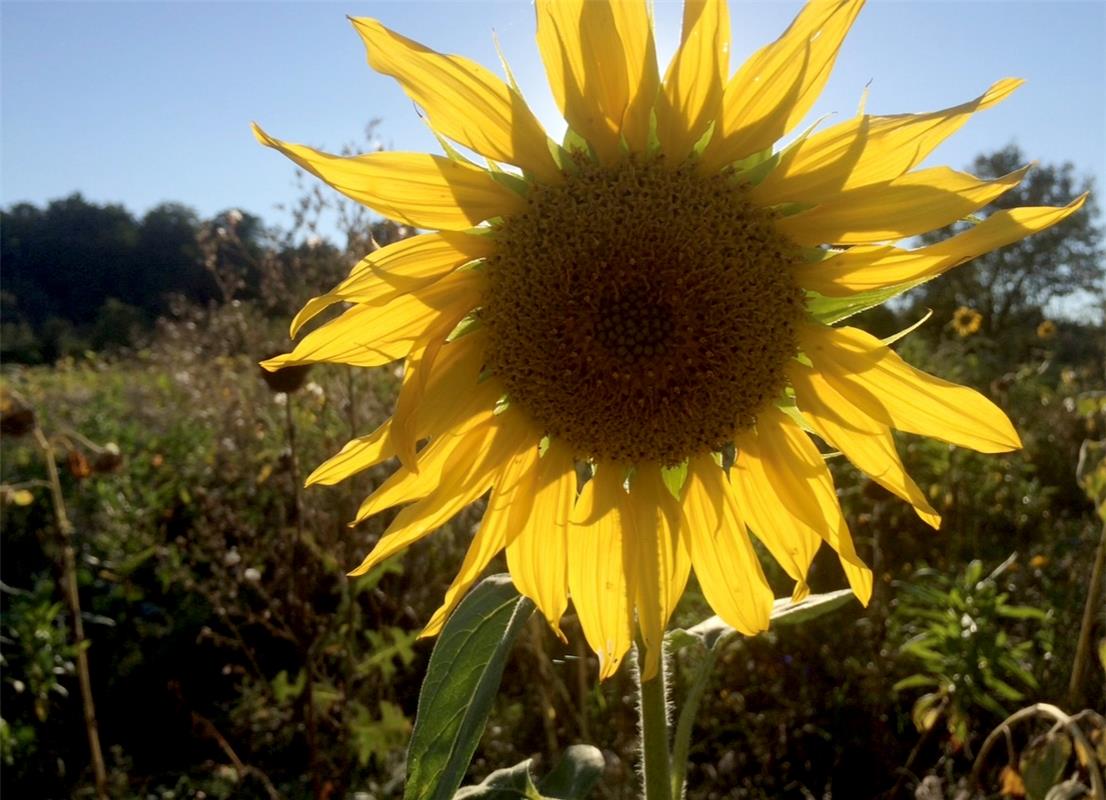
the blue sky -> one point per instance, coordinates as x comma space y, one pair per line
142, 102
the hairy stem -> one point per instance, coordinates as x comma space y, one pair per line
654, 733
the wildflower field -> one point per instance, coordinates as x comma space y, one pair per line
219, 616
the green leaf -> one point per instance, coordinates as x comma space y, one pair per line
285, 689
580, 768
755, 168
829, 310
1042, 764
915, 681
674, 478
927, 710
1002, 689
573, 143
784, 612
377, 738
461, 682
1016, 670
510, 783
713, 630
511, 181
137, 560
682, 638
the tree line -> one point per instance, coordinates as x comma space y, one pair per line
80, 276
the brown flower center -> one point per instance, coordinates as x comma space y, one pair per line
641, 313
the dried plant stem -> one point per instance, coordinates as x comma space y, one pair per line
311, 724
206, 727
294, 467
73, 600
1090, 610
1070, 726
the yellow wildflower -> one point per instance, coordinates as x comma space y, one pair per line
966, 321
1046, 330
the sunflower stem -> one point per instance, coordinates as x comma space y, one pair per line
654, 732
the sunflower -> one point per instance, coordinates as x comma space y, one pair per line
624, 340
966, 321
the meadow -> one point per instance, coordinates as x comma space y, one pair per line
230, 656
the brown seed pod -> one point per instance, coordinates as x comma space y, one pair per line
79, 467
285, 380
109, 459
16, 417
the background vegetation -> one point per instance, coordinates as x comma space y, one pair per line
230, 657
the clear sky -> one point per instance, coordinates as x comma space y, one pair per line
142, 102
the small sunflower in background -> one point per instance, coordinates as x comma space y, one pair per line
1046, 330
966, 321
625, 338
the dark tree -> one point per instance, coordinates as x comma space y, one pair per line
169, 259
1012, 285
77, 274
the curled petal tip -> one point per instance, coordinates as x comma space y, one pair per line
261, 136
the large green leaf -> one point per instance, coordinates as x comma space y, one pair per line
510, 783
579, 769
784, 612
461, 682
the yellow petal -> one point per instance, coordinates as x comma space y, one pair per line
462, 99
866, 150
779, 84
508, 493
401, 267
602, 68
868, 267
538, 556
880, 384
792, 545
795, 477
692, 89
597, 575
455, 376
357, 455
729, 572
374, 335
866, 442
467, 473
416, 378
421, 190
659, 557
447, 451
914, 203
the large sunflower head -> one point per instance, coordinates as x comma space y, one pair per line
625, 340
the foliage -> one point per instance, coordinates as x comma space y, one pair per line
38, 669
215, 587
971, 660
